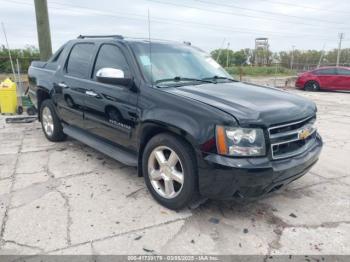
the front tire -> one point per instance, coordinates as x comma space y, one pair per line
50, 122
170, 171
312, 86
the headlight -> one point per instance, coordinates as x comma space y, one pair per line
236, 141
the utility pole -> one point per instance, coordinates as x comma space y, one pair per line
321, 57
219, 53
43, 28
292, 58
341, 37
228, 53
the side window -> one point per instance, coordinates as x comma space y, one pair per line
53, 62
79, 60
327, 71
110, 56
57, 56
344, 72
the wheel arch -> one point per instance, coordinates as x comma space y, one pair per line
42, 94
150, 129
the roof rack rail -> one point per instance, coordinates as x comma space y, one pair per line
100, 36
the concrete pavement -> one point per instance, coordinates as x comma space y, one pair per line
67, 198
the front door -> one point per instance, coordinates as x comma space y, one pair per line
110, 110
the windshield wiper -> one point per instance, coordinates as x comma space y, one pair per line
177, 79
215, 78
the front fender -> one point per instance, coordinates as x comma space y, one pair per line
181, 124
188, 118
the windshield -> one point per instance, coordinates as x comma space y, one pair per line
175, 62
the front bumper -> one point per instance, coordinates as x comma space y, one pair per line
223, 177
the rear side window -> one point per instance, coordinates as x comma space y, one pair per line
57, 56
326, 71
110, 56
52, 64
342, 71
80, 60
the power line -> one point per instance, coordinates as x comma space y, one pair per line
177, 21
266, 12
235, 14
165, 20
306, 7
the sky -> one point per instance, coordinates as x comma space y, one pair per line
208, 24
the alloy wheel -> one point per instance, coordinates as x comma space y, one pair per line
166, 172
47, 121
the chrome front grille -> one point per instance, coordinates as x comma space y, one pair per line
292, 139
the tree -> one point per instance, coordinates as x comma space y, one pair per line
25, 57
235, 58
220, 55
240, 58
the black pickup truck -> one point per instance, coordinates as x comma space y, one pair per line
172, 111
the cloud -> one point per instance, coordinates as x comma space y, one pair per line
205, 25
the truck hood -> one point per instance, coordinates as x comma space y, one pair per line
250, 104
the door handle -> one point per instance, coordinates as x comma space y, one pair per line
91, 93
63, 85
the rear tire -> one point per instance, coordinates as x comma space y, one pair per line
173, 181
312, 86
50, 122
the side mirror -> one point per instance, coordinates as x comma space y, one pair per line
112, 76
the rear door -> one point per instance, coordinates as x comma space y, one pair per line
73, 83
328, 78
344, 78
110, 110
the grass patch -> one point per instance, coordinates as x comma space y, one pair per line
260, 71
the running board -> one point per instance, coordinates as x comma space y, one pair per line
114, 152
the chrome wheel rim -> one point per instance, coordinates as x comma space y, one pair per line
47, 121
165, 172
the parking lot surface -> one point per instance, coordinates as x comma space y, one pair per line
67, 198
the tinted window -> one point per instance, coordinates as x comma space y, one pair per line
57, 56
110, 56
342, 71
80, 60
53, 62
327, 71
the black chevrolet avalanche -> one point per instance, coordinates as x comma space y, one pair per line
172, 111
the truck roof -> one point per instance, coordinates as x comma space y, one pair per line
120, 38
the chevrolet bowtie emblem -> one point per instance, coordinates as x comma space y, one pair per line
303, 134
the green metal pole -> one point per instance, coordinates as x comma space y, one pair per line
43, 28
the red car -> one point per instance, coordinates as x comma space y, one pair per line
325, 78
